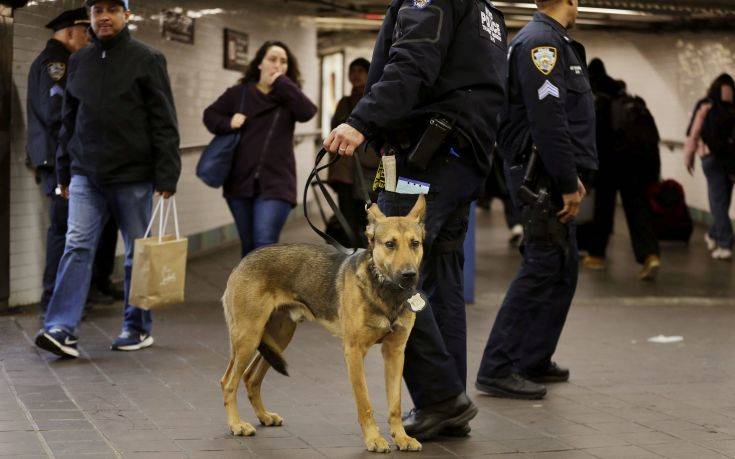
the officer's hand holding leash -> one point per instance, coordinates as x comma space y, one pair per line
344, 139
572, 201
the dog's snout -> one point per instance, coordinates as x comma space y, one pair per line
408, 275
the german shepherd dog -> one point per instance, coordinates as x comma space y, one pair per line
362, 298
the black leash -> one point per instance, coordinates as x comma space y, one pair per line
314, 177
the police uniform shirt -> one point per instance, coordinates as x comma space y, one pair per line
437, 57
46, 83
551, 99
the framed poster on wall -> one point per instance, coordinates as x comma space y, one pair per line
177, 26
236, 50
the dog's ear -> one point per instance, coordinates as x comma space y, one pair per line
374, 215
419, 209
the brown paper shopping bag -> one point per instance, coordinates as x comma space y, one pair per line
159, 263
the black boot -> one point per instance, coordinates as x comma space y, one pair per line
551, 374
511, 386
456, 431
427, 422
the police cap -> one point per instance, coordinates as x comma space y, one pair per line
69, 18
124, 3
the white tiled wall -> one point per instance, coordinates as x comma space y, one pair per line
197, 78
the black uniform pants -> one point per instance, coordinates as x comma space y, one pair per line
104, 261
638, 215
435, 368
530, 320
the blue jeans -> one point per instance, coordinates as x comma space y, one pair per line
90, 205
259, 221
719, 190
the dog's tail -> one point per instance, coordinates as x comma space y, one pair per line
272, 356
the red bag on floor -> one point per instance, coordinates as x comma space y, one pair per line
671, 218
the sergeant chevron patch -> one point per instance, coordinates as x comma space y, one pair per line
547, 89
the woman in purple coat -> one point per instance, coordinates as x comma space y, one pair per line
261, 187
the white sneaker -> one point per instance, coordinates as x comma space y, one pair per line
722, 253
711, 244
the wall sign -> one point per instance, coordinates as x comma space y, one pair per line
177, 26
236, 50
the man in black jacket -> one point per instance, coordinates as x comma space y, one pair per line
439, 63
119, 143
46, 83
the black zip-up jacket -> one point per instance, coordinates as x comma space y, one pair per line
550, 103
437, 57
46, 82
119, 120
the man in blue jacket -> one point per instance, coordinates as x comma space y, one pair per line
439, 68
550, 108
119, 143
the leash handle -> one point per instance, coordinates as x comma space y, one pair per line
314, 176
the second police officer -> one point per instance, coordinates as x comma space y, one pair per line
551, 110
434, 92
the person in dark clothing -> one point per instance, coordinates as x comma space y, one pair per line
496, 186
440, 60
119, 142
46, 83
551, 109
717, 166
261, 187
621, 169
342, 174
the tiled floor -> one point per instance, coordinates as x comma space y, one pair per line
627, 398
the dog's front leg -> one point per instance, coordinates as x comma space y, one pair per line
355, 358
394, 346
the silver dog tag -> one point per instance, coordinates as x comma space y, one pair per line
417, 303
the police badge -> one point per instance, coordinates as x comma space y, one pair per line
421, 4
544, 58
56, 70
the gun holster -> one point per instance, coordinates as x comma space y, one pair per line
538, 213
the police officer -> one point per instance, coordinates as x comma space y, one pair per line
46, 83
434, 92
550, 107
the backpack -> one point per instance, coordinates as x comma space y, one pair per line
632, 120
635, 132
718, 130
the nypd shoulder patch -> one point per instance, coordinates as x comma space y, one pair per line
56, 70
421, 4
544, 58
